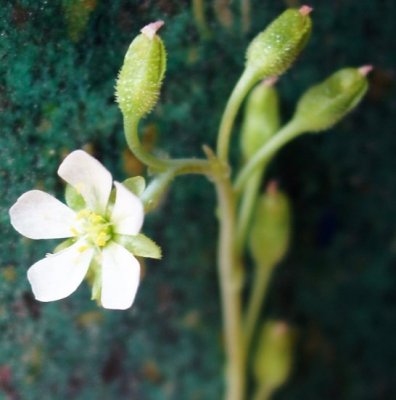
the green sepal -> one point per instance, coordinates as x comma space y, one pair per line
63, 245
140, 245
94, 279
74, 199
136, 185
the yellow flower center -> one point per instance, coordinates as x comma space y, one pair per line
93, 227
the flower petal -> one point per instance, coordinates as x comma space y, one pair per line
128, 213
58, 275
38, 215
89, 177
120, 277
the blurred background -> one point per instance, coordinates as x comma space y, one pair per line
59, 61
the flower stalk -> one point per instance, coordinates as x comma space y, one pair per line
230, 287
280, 139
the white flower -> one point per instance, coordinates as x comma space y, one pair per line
93, 231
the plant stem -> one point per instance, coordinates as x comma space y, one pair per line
230, 287
245, 83
255, 302
179, 166
230, 269
287, 133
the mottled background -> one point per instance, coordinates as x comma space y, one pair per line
58, 66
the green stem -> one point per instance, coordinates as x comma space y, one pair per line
180, 166
285, 135
245, 83
230, 270
230, 288
248, 202
263, 392
255, 302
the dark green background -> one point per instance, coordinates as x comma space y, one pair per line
337, 285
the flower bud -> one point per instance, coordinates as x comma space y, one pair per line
274, 355
324, 104
270, 232
274, 50
139, 81
261, 119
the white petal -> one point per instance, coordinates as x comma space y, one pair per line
128, 213
89, 177
120, 277
38, 215
58, 275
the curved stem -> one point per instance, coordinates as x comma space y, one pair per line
285, 135
230, 288
255, 302
245, 83
180, 166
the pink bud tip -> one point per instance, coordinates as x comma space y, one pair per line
305, 10
270, 81
151, 29
281, 328
272, 187
365, 69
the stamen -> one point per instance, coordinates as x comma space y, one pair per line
94, 228
81, 249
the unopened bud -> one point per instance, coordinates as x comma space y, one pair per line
270, 234
274, 50
261, 119
326, 103
274, 355
140, 79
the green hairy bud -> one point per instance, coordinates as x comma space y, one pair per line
140, 79
270, 233
261, 118
325, 104
274, 355
274, 50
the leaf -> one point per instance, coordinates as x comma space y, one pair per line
63, 245
140, 245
